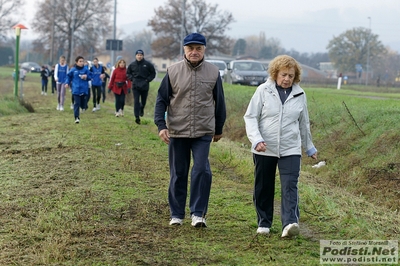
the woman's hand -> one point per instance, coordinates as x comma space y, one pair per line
261, 146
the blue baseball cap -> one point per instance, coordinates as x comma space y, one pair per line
195, 38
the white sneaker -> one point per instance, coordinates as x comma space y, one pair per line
198, 221
58, 107
121, 113
116, 114
77, 121
45, 93
42, 93
176, 221
61, 108
98, 107
291, 230
263, 230
94, 109
72, 106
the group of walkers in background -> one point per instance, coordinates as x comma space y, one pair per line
85, 81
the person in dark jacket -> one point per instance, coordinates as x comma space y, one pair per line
53, 81
140, 72
78, 78
44, 74
104, 84
196, 116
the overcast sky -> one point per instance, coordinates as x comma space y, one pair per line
302, 25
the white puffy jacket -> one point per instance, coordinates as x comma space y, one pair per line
284, 128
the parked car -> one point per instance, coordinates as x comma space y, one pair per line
246, 72
31, 66
222, 67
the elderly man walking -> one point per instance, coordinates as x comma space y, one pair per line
192, 94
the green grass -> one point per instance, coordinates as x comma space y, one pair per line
96, 193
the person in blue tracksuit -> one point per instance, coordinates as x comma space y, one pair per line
60, 73
78, 77
98, 76
87, 66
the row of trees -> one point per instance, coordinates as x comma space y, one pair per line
72, 25
358, 46
81, 27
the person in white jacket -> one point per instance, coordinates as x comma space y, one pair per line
277, 125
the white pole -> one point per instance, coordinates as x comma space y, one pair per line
339, 83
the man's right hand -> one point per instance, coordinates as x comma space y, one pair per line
164, 136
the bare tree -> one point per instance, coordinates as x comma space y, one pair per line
138, 40
8, 9
81, 24
199, 17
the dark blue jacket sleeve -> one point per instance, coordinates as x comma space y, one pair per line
152, 73
220, 108
162, 102
89, 74
68, 78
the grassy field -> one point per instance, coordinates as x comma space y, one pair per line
95, 193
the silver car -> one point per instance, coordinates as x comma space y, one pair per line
221, 65
31, 66
246, 72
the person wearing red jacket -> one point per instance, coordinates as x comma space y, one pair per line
120, 85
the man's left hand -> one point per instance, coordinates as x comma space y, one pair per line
217, 137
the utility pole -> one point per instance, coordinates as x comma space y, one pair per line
114, 32
369, 39
71, 52
182, 29
54, 8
